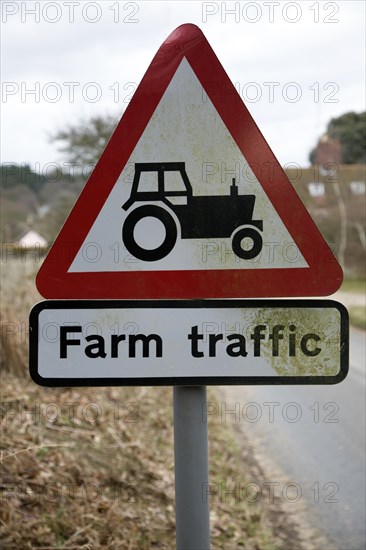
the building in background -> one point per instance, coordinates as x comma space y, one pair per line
31, 240
328, 152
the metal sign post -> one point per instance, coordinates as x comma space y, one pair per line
191, 468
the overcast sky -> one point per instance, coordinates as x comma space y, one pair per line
296, 65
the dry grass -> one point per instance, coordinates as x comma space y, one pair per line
77, 472
18, 294
92, 468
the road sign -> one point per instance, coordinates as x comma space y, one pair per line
105, 343
188, 200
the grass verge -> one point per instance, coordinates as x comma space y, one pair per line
354, 285
93, 468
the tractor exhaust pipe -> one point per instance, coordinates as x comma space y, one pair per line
233, 189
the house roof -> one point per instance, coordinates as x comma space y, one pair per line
32, 238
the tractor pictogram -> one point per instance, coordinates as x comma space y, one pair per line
200, 217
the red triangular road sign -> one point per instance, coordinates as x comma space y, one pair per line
188, 200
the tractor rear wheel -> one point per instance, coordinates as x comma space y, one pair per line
251, 234
149, 254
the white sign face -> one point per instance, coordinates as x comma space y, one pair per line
200, 342
207, 164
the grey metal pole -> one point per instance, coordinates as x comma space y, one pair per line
191, 468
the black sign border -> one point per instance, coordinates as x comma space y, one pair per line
186, 381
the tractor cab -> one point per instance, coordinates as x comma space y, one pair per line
156, 181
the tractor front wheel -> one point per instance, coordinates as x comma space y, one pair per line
128, 233
239, 245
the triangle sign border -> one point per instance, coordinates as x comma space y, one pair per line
322, 277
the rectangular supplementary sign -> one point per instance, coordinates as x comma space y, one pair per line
147, 343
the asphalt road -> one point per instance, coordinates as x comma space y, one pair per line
315, 436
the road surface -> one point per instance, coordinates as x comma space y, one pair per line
314, 438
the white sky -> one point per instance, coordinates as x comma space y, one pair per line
318, 45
